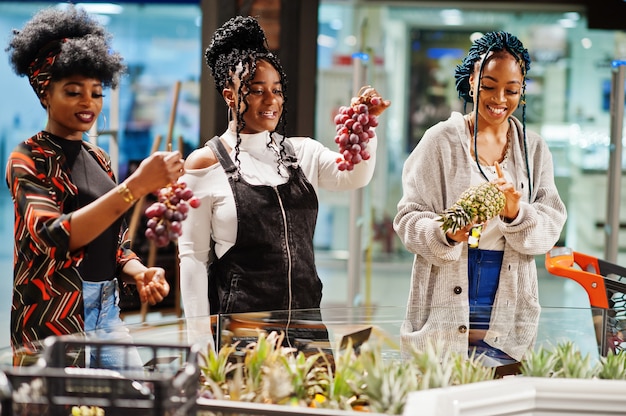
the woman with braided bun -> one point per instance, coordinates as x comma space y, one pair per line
482, 296
70, 237
258, 190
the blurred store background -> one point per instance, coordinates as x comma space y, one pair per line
411, 49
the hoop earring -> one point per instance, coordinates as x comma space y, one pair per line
104, 124
471, 92
229, 116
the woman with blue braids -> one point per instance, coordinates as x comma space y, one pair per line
480, 297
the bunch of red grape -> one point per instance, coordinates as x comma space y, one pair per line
165, 216
355, 128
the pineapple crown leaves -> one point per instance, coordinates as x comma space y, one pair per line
306, 377
539, 363
263, 352
217, 366
571, 363
276, 384
432, 373
269, 373
564, 361
470, 370
476, 204
385, 385
387, 393
345, 381
613, 366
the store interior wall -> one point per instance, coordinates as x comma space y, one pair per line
567, 95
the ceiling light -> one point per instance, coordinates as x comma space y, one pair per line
97, 8
452, 17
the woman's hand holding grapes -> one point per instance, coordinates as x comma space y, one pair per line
355, 126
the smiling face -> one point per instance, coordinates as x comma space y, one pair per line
263, 100
73, 104
500, 87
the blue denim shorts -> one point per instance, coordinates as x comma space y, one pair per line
103, 322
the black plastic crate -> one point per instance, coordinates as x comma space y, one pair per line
167, 385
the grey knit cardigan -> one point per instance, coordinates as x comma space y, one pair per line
434, 175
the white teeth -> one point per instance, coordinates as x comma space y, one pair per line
497, 110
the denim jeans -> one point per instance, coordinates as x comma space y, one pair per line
484, 275
103, 323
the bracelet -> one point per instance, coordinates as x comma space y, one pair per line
126, 194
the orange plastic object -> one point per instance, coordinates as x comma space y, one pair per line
584, 269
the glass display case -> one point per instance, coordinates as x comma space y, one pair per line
225, 364
175, 347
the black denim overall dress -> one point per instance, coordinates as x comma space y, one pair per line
271, 266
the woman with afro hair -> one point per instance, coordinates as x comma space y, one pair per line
254, 229
481, 298
70, 244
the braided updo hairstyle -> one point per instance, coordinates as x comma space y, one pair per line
490, 42
234, 51
80, 47
498, 41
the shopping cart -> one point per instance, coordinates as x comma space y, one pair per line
605, 284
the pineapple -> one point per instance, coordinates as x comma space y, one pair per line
385, 385
613, 366
539, 363
565, 361
477, 204
571, 363
470, 370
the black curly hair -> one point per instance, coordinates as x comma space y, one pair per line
80, 45
234, 51
497, 41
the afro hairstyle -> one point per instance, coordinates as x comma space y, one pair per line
85, 48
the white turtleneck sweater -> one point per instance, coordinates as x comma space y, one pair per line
216, 218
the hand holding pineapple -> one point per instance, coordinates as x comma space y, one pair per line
513, 196
479, 204
475, 206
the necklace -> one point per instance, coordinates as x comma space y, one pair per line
481, 161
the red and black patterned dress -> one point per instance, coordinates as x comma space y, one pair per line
47, 286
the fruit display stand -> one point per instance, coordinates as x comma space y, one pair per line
338, 327
517, 395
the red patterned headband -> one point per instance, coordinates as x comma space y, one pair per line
39, 74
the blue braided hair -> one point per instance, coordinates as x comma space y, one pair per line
497, 41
